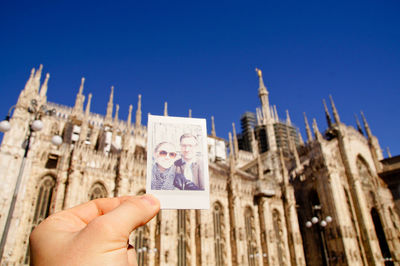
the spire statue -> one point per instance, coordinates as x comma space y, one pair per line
263, 94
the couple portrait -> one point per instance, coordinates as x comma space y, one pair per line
177, 167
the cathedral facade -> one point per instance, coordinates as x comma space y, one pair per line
282, 201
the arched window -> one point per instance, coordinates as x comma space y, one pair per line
364, 172
219, 243
97, 191
43, 203
250, 236
42, 209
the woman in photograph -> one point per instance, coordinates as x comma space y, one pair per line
163, 173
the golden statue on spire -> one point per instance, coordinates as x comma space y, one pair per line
259, 73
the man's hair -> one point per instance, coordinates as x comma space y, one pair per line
188, 135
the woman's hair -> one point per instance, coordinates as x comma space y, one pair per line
162, 143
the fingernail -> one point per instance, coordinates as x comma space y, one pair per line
150, 199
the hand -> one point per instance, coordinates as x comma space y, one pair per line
94, 233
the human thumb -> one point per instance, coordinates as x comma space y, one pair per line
134, 211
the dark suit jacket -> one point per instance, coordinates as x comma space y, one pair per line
197, 171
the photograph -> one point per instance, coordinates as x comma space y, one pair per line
177, 162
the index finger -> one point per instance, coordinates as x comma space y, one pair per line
88, 211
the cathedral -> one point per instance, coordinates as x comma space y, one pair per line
276, 199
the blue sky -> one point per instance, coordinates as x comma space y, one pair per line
202, 56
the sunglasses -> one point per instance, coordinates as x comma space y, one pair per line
163, 153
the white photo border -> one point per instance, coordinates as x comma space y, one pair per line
179, 199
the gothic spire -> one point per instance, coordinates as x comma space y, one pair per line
288, 120
388, 152
284, 168
254, 145
258, 116
271, 111
327, 115
263, 94
116, 113
308, 130
80, 98
43, 89
231, 156
213, 133
358, 125
231, 152
276, 114
110, 106
235, 140
85, 123
36, 79
261, 89
87, 111
30, 80
334, 111
366, 126
138, 119
129, 121
316, 130
300, 138
165, 109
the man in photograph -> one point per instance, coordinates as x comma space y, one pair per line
189, 165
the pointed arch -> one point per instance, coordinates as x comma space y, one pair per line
250, 236
278, 230
383, 244
44, 198
98, 190
219, 233
364, 172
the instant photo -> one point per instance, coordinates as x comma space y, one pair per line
177, 162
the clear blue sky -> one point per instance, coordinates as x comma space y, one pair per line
202, 54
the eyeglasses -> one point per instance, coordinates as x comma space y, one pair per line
163, 153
